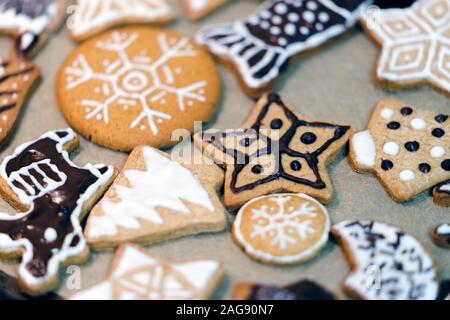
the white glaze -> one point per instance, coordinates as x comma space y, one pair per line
418, 124
437, 152
387, 113
365, 149
407, 175
391, 148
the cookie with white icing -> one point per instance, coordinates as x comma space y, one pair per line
441, 235
156, 198
92, 17
55, 195
259, 46
407, 148
275, 150
138, 86
18, 79
387, 264
30, 22
441, 194
415, 44
282, 229
136, 274
197, 9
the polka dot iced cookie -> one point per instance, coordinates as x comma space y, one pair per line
407, 148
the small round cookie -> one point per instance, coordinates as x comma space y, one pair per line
136, 86
282, 229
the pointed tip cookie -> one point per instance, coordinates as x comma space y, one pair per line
136, 274
92, 17
259, 46
197, 9
415, 45
441, 194
282, 229
407, 149
441, 235
155, 199
30, 21
56, 194
387, 264
275, 151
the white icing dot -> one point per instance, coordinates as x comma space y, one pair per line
407, 175
304, 31
275, 31
309, 16
5, 118
281, 8
324, 17
290, 29
311, 5
319, 26
391, 148
293, 17
265, 14
437, 152
418, 124
387, 113
277, 20
265, 25
50, 235
254, 20
282, 42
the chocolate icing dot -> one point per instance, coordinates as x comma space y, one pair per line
424, 167
438, 133
446, 165
412, 146
387, 165
441, 118
245, 142
406, 111
257, 169
276, 124
308, 138
394, 125
296, 165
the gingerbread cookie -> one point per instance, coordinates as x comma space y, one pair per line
17, 81
30, 21
92, 17
282, 228
137, 275
135, 86
197, 9
441, 235
39, 178
415, 44
260, 46
387, 264
155, 199
302, 290
275, 151
407, 148
441, 194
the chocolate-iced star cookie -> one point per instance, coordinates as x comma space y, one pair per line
441, 194
259, 46
387, 264
10, 290
407, 148
275, 151
30, 21
441, 235
302, 290
55, 195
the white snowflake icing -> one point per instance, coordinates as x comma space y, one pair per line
136, 82
283, 225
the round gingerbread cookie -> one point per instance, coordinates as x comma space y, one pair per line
136, 86
282, 229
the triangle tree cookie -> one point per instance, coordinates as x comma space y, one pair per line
137, 275
275, 151
154, 199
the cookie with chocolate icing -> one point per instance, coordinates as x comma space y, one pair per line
260, 46
441, 194
30, 22
405, 147
10, 290
441, 235
54, 195
301, 290
387, 263
136, 274
197, 9
92, 17
282, 229
156, 198
276, 150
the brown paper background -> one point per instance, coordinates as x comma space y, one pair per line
334, 83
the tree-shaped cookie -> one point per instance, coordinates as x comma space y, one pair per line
40, 179
155, 199
275, 151
136, 274
407, 148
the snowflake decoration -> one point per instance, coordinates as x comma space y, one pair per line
136, 82
284, 225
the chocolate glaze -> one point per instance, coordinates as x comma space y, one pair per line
10, 290
302, 290
10, 71
439, 187
52, 210
278, 148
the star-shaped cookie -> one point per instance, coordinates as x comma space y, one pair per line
276, 150
415, 44
137, 275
